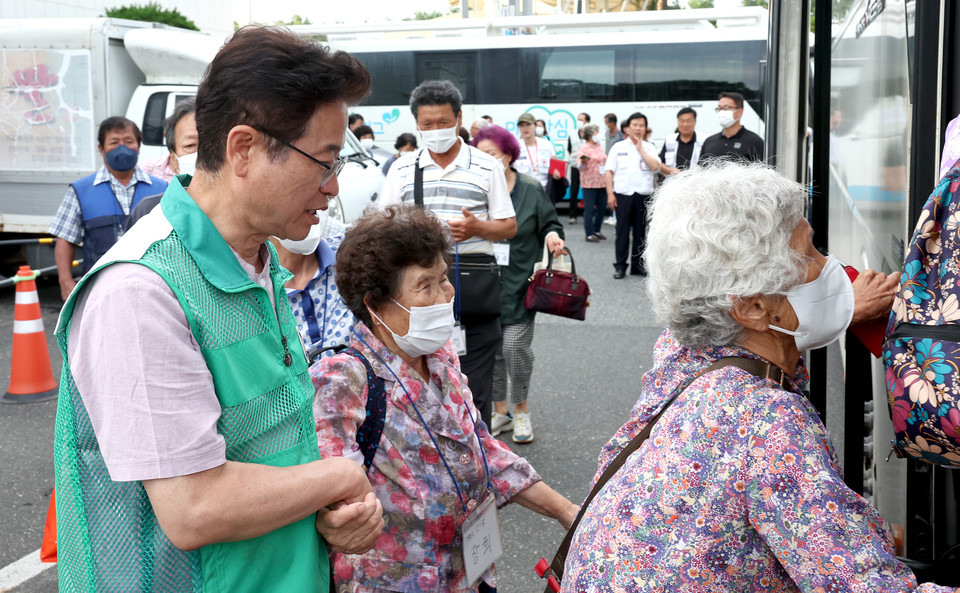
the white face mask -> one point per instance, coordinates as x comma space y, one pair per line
430, 328
187, 164
726, 119
824, 307
440, 141
366, 143
539, 131
309, 244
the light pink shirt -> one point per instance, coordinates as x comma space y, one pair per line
142, 378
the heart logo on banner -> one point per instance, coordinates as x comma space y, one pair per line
392, 116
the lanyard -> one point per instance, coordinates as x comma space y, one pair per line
534, 163
456, 485
456, 277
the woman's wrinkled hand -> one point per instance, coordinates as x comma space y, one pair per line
554, 244
352, 528
873, 295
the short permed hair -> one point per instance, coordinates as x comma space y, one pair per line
182, 109
115, 124
590, 130
274, 81
375, 252
505, 141
436, 92
363, 130
405, 139
715, 234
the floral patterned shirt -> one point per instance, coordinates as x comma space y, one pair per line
738, 489
420, 548
590, 175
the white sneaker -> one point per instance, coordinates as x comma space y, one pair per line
522, 430
610, 221
500, 423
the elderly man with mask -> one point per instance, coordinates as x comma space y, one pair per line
180, 133
187, 455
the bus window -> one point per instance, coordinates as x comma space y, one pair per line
392, 75
576, 74
456, 67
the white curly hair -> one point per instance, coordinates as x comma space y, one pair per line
715, 234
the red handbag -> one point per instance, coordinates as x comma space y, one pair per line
558, 293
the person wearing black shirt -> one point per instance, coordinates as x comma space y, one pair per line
735, 141
681, 150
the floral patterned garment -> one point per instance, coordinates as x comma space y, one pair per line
738, 489
590, 175
420, 548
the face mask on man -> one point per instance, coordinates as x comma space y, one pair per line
122, 158
824, 307
366, 143
308, 245
187, 164
429, 329
440, 141
726, 119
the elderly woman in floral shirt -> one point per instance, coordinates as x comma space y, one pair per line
737, 487
435, 464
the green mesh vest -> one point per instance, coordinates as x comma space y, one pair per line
108, 536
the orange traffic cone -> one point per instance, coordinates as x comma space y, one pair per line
48, 547
31, 378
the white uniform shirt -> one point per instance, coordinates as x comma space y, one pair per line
630, 174
474, 180
535, 162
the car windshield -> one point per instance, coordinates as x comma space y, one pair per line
351, 146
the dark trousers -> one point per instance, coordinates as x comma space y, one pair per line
631, 215
594, 207
574, 190
483, 343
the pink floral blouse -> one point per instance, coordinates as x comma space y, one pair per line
420, 548
737, 489
590, 176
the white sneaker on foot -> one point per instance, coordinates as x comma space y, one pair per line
501, 423
522, 430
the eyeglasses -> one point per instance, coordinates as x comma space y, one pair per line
726, 108
332, 169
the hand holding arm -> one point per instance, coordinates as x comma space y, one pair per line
352, 528
873, 295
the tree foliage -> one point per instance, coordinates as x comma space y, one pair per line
297, 20
424, 16
763, 3
701, 3
152, 12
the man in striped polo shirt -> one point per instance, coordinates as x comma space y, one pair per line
465, 188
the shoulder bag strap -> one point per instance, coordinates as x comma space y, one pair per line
756, 367
370, 431
418, 184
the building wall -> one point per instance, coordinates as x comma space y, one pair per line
212, 16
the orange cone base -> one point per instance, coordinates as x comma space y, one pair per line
28, 398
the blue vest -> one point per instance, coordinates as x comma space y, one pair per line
103, 217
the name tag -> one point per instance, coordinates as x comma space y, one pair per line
481, 540
501, 251
459, 339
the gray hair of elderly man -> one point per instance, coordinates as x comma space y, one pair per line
715, 234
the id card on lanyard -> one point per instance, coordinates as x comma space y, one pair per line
481, 527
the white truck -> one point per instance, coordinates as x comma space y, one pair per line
59, 78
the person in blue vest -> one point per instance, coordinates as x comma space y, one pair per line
94, 211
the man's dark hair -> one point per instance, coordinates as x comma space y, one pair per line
436, 92
586, 116
363, 131
274, 81
405, 139
383, 243
354, 118
737, 98
183, 109
487, 117
610, 118
687, 110
115, 124
637, 115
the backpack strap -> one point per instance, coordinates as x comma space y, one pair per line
369, 433
418, 185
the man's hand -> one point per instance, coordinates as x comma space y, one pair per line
467, 227
352, 528
873, 295
66, 287
612, 201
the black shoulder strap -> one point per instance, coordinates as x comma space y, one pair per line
418, 184
756, 367
370, 431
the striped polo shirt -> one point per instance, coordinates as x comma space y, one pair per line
474, 180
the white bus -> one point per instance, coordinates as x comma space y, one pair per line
597, 64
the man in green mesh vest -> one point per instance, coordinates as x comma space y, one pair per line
186, 452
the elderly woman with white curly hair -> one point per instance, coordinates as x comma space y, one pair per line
737, 487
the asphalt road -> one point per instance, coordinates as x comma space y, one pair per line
585, 381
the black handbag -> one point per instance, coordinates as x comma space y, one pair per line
475, 276
756, 367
